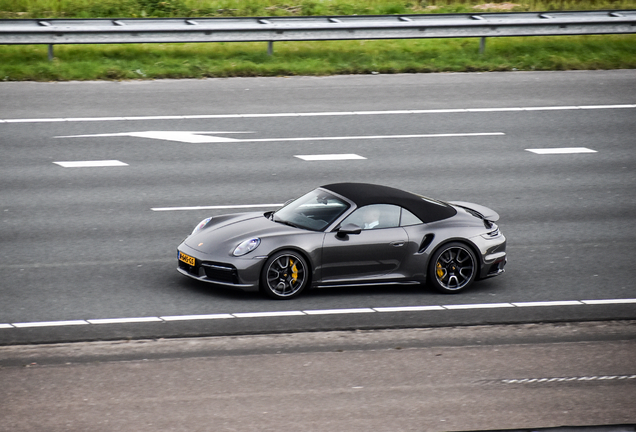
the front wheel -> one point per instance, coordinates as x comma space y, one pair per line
284, 276
452, 268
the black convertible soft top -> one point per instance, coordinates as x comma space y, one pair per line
362, 194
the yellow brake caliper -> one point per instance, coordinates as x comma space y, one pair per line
440, 271
294, 271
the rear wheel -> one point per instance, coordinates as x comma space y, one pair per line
285, 275
452, 268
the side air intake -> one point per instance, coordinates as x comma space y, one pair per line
426, 242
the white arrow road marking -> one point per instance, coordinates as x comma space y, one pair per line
202, 137
179, 136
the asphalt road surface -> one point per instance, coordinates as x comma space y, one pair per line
89, 252
521, 377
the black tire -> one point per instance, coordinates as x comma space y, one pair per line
452, 268
284, 276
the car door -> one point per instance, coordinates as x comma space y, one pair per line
376, 253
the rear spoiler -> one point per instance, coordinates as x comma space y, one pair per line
484, 212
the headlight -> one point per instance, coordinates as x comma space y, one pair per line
201, 224
246, 247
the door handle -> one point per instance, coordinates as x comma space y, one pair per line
397, 243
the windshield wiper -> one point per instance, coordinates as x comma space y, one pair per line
284, 222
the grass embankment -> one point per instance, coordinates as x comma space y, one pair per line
145, 61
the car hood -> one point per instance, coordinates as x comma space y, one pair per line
225, 233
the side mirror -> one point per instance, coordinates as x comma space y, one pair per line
348, 229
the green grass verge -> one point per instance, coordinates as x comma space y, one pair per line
155, 61
118, 62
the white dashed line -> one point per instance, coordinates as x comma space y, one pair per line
329, 157
314, 312
91, 164
564, 150
316, 114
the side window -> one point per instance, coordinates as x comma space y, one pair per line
375, 216
409, 218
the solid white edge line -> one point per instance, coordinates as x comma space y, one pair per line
408, 308
124, 320
338, 311
316, 114
226, 207
608, 301
50, 323
267, 314
317, 312
548, 303
196, 317
479, 306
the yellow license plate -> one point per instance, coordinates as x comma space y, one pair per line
186, 259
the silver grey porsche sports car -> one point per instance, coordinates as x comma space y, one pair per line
347, 234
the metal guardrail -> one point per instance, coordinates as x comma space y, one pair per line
279, 29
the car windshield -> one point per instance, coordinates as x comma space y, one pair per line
313, 211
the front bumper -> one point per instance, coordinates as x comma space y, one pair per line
241, 273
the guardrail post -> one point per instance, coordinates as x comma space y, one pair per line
50, 52
270, 48
482, 45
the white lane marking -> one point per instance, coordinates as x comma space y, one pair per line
319, 312
244, 206
196, 317
316, 114
91, 164
267, 314
567, 379
124, 320
50, 323
608, 301
408, 308
197, 137
564, 150
338, 311
479, 306
548, 303
330, 157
